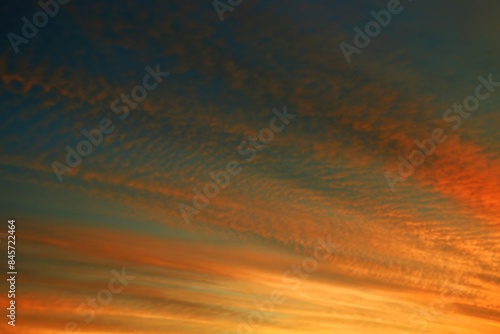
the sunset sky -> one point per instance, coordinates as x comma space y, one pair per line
419, 257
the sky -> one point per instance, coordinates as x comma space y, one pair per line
247, 174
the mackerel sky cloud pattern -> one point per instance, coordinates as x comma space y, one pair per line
421, 259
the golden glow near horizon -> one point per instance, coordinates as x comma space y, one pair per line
267, 185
